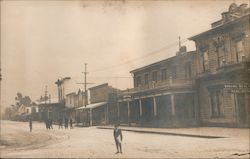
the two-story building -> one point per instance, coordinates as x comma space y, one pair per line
223, 67
164, 93
102, 108
73, 101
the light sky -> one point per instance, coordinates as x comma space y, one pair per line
42, 41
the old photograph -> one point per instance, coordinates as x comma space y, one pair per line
125, 78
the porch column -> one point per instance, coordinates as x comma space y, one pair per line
155, 107
140, 108
90, 117
128, 112
118, 110
172, 104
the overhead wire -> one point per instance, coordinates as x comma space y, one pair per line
142, 57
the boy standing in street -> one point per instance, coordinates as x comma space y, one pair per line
118, 139
30, 123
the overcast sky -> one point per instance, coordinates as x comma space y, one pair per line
42, 41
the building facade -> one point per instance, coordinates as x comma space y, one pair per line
223, 78
102, 108
164, 93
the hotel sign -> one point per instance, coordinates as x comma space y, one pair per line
238, 88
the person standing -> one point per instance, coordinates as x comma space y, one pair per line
60, 123
50, 123
66, 123
71, 123
30, 124
118, 138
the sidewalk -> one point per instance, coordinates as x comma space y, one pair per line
200, 132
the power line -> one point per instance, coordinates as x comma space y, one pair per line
110, 77
142, 57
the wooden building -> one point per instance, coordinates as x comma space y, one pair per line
164, 93
50, 109
223, 62
73, 101
102, 108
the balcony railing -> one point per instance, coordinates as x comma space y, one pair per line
170, 83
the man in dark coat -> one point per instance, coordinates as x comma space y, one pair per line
60, 123
71, 123
30, 124
66, 123
118, 138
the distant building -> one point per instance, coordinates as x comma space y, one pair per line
101, 92
72, 102
50, 109
102, 108
223, 59
164, 93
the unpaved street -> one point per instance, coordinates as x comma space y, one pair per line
17, 141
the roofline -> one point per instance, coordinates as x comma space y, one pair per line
219, 27
165, 60
101, 85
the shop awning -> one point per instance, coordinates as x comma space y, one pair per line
91, 106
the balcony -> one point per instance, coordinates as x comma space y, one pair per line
166, 84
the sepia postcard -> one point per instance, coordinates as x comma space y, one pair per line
125, 78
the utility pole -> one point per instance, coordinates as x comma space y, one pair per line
179, 42
85, 85
45, 94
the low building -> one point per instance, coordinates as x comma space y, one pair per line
51, 109
73, 101
102, 108
223, 69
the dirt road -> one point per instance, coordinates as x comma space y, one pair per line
17, 141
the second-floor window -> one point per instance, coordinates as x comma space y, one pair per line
173, 72
154, 76
138, 81
163, 74
205, 61
240, 51
221, 58
146, 78
188, 70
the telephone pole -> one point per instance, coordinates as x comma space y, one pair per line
85, 85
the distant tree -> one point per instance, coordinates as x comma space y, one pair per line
22, 100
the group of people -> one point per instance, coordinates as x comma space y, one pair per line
67, 122
117, 132
49, 123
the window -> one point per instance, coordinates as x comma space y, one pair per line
173, 72
188, 70
146, 78
163, 74
240, 51
216, 103
154, 76
138, 80
221, 58
205, 61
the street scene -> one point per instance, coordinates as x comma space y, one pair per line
125, 79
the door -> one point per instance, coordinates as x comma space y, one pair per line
242, 111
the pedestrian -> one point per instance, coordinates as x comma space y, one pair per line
71, 123
66, 123
118, 138
50, 123
60, 123
47, 123
30, 124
